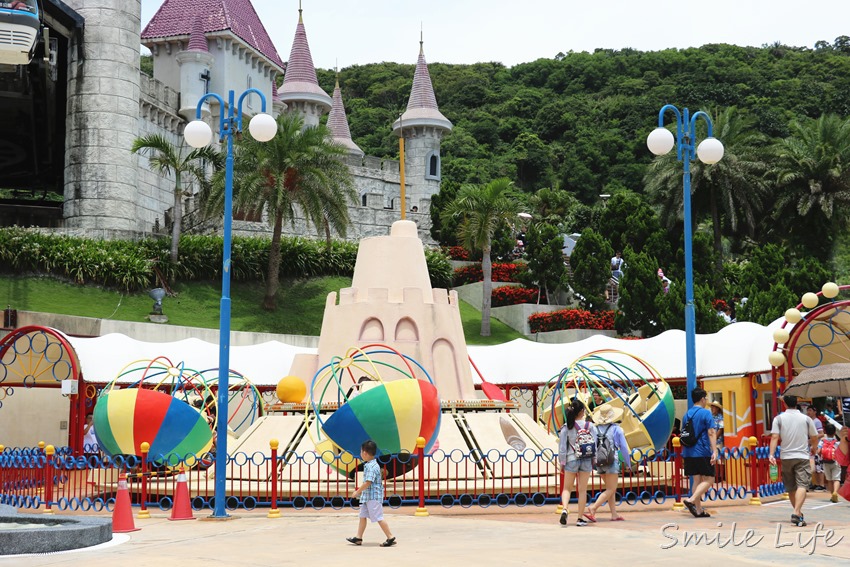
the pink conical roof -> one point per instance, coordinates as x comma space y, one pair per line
422, 106
338, 123
422, 93
197, 39
177, 18
299, 81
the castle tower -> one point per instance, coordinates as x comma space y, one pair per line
195, 63
398, 308
338, 124
277, 105
103, 113
300, 90
422, 126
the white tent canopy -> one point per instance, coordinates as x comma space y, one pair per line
740, 348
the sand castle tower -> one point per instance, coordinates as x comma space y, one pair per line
391, 301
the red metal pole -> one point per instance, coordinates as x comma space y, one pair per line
420, 453
273, 511
677, 473
143, 512
49, 451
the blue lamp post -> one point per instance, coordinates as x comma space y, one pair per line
660, 141
199, 134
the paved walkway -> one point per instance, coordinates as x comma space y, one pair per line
475, 536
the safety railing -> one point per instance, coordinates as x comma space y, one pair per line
41, 477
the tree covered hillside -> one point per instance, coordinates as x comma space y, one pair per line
579, 121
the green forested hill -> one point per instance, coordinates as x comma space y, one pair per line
579, 121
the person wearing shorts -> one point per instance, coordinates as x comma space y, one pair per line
700, 459
796, 434
371, 494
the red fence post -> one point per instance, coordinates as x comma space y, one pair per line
274, 512
49, 451
143, 512
420, 453
677, 473
754, 472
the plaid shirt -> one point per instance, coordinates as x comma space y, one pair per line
372, 472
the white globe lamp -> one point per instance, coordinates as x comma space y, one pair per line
710, 151
262, 127
660, 141
197, 133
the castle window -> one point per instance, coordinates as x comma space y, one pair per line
363, 199
406, 330
432, 169
250, 96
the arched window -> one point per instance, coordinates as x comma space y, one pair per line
363, 199
432, 166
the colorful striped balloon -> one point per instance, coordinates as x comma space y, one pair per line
392, 414
124, 419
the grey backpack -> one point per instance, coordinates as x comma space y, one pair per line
605, 452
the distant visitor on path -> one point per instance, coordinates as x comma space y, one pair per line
701, 455
617, 265
797, 436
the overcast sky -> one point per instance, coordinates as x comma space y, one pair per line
468, 31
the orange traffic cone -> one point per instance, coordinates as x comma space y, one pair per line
182, 507
122, 514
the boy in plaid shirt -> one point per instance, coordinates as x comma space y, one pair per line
372, 499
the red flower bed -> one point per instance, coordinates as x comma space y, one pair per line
512, 295
456, 252
571, 319
501, 273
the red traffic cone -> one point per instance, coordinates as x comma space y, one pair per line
122, 514
182, 507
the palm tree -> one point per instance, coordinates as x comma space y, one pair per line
169, 159
299, 171
813, 169
734, 188
481, 210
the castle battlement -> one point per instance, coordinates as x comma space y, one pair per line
409, 295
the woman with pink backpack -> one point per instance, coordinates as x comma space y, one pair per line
576, 451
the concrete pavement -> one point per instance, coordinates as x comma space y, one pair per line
476, 536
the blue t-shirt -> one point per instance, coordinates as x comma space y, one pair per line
703, 421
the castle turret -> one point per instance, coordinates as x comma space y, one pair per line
195, 63
300, 90
103, 117
422, 126
278, 105
338, 124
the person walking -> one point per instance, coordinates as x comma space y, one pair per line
702, 455
617, 265
611, 441
576, 450
372, 491
798, 438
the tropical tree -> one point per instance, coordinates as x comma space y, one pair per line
480, 210
813, 178
591, 264
299, 171
733, 189
169, 159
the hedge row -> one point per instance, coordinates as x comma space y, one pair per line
512, 295
501, 273
571, 319
130, 265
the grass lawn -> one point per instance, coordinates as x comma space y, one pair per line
301, 305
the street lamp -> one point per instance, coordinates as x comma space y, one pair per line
199, 134
660, 141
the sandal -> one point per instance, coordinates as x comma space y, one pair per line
589, 515
692, 508
389, 543
355, 540
618, 519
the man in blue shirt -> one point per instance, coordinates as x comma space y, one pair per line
700, 459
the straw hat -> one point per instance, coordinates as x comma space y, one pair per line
606, 413
718, 405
